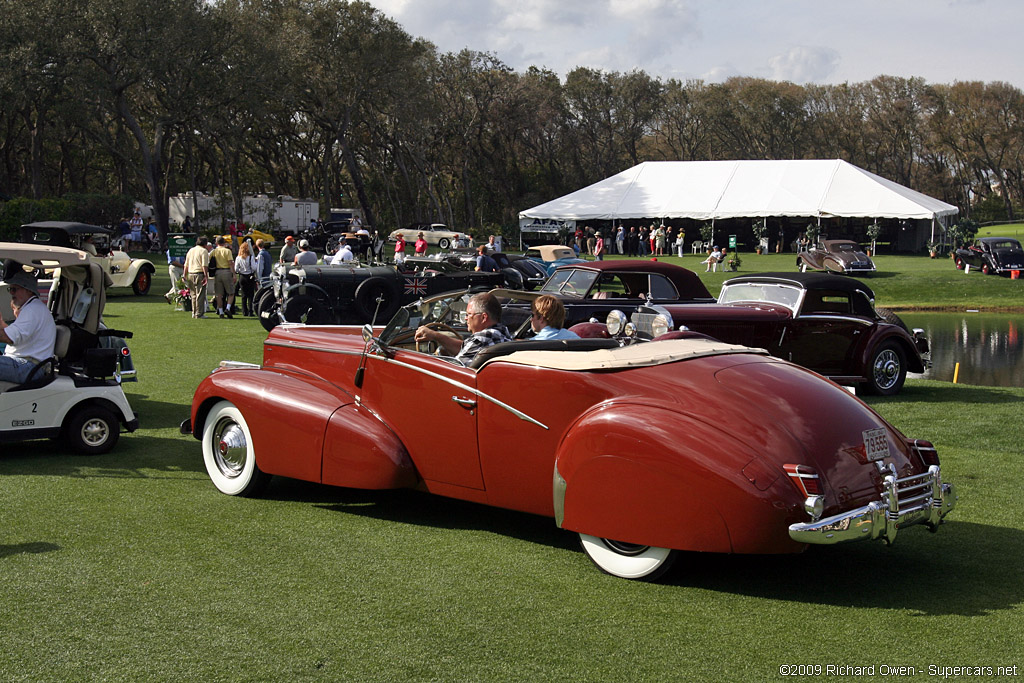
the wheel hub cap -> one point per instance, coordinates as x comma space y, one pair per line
887, 369
94, 432
231, 448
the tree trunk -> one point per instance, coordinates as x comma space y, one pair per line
357, 180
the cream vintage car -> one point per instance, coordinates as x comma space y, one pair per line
124, 271
436, 234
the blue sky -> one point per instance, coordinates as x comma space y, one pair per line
804, 41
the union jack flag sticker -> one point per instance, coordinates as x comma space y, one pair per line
416, 285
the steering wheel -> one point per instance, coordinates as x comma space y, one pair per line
443, 327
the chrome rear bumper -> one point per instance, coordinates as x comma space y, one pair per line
918, 499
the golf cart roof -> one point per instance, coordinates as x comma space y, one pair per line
41, 255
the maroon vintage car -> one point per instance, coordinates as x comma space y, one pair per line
825, 322
644, 449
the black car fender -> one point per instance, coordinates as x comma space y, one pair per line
365, 299
307, 303
315, 291
885, 332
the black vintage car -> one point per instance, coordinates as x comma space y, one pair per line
352, 293
824, 322
991, 255
325, 238
520, 272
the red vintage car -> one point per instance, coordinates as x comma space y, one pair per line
644, 449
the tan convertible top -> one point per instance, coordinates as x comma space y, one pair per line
635, 355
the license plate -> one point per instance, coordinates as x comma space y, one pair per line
876, 444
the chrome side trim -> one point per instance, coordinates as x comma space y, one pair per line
465, 387
837, 316
918, 499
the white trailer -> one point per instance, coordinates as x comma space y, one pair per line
280, 214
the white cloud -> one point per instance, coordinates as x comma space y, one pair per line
797, 40
804, 64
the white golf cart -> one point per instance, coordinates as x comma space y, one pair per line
77, 393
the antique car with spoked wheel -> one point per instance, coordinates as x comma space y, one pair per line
563, 429
76, 393
123, 270
991, 255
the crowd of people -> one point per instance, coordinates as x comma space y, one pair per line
653, 240
235, 276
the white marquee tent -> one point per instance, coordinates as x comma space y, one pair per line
708, 190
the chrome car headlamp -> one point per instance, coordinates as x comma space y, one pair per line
661, 325
616, 322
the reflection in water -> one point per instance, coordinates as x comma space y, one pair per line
988, 346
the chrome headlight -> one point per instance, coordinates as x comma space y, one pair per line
629, 330
616, 322
661, 325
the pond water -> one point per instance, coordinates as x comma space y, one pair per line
988, 346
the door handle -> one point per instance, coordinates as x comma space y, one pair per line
464, 402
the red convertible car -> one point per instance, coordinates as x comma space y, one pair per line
644, 449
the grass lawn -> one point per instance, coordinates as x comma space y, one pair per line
131, 566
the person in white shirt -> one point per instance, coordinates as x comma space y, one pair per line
30, 338
344, 254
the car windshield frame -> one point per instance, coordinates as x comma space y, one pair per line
449, 308
575, 282
775, 293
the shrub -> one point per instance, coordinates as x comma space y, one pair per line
22, 210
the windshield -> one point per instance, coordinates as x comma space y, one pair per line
1005, 244
844, 246
784, 295
570, 281
450, 309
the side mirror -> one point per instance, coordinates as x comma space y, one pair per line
367, 333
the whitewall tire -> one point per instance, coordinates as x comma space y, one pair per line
627, 560
228, 452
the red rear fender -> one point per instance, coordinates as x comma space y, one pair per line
646, 475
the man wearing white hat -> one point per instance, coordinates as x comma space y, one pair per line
30, 338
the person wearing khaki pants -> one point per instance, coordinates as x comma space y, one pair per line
197, 274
